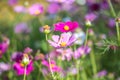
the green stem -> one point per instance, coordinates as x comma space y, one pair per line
24, 73
86, 37
84, 77
112, 9
92, 57
46, 36
54, 78
114, 15
118, 33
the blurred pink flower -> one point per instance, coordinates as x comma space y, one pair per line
64, 40
62, 1
35, 9
22, 28
12, 2
4, 46
19, 9
51, 66
111, 23
65, 26
83, 50
4, 67
53, 8
90, 17
65, 53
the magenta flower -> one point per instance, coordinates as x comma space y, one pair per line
65, 26
53, 8
65, 54
22, 60
83, 50
4, 46
64, 40
51, 66
35, 9
19, 68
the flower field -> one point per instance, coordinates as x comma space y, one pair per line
59, 39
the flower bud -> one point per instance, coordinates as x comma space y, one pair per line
25, 60
88, 23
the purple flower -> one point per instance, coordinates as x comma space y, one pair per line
19, 68
111, 23
4, 67
53, 8
65, 53
35, 9
104, 4
90, 17
17, 56
83, 50
12, 2
102, 73
51, 66
64, 40
4, 46
19, 9
22, 28
95, 7
62, 1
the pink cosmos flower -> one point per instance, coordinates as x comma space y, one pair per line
51, 66
83, 50
22, 60
4, 46
19, 68
35, 9
64, 40
65, 26
66, 54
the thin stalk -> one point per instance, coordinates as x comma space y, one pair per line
114, 15
86, 37
24, 73
112, 9
118, 32
46, 37
92, 57
54, 78
84, 77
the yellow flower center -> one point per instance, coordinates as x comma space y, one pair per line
63, 44
66, 28
52, 65
37, 12
22, 65
46, 27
